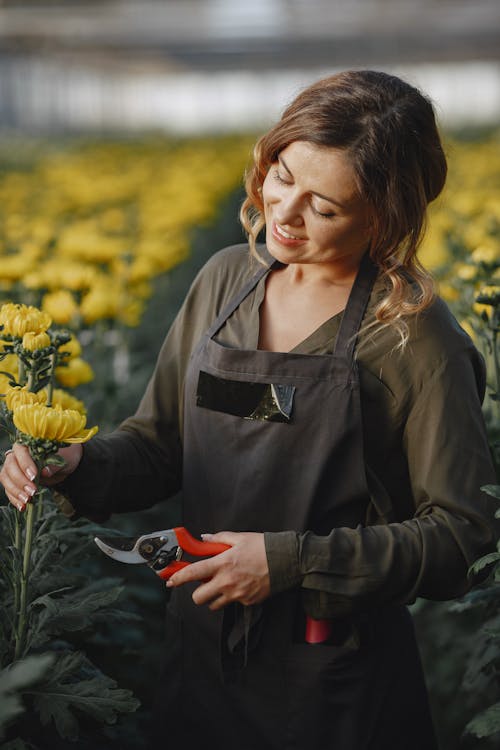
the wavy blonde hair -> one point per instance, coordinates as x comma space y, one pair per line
388, 130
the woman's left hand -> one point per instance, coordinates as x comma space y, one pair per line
240, 574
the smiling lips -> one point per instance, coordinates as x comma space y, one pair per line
285, 237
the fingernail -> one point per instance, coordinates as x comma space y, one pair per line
30, 474
23, 497
46, 472
206, 536
30, 490
169, 583
20, 506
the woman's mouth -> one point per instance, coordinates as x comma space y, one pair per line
284, 237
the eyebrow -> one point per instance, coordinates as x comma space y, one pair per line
313, 192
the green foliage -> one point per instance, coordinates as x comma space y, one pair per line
486, 723
76, 686
14, 680
58, 683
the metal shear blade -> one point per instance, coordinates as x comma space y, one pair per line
120, 549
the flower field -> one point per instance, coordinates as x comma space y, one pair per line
102, 238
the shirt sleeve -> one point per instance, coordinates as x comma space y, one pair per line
140, 463
429, 554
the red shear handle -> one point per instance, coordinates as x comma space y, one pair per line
196, 547
171, 569
317, 631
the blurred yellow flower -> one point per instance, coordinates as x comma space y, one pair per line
486, 253
34, 341
71, 347
48, 423
10, 364
61, 306
19, 319
468, 329
75, 372
448, 292
101, 302
465, 271
5, 385
481, 310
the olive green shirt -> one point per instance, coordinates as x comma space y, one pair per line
426, 452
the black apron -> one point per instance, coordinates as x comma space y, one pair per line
273, 441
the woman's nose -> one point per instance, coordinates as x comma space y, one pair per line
288, 210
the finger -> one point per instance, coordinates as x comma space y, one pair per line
207, 593
219, 603
225, 537
17, 487
25, 461
198, 571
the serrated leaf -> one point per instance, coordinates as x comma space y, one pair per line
486, 723
72, 612
483, 562
65, 695
14, 679
478, 596
492, 489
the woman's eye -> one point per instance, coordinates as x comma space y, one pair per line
279, 178
323, 214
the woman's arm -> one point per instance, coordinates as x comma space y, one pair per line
427, 555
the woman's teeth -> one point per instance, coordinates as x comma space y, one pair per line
286, 234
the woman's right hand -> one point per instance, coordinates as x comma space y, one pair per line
18, 473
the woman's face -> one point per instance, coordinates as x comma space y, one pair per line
312, 208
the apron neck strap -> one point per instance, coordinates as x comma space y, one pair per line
356, 307
235, 302
353, 313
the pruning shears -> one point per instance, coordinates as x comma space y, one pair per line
161, 550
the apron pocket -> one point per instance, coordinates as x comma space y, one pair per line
324, 683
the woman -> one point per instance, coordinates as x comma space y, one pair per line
321, 410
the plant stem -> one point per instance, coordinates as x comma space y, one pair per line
23, 602
31, 380
21, 372
17, 545
50, 387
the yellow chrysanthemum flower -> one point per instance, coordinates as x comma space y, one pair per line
465, 271
33, 341
15, 397
64, 400
486, 254
10, 364
19, 319
448, 292
76, 372
5, 385
48, 423
72, 347
61, 306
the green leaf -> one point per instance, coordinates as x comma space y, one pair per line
17, 744
486, 723
70, 612
14, 679
66, 694
483, 562
54, 460
492, 489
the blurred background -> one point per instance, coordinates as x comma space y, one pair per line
125, 130
191, 65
